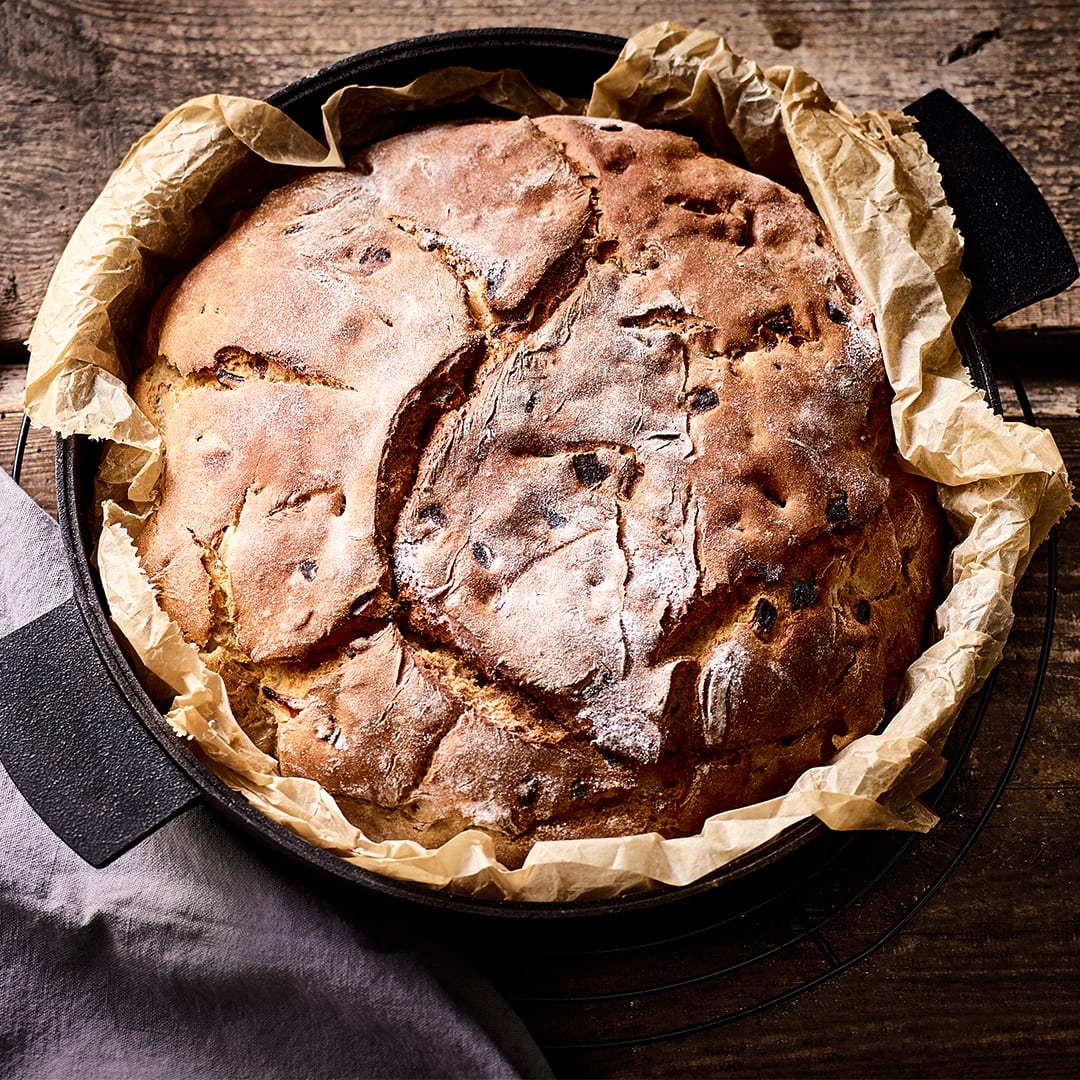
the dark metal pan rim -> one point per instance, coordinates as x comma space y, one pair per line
572, 60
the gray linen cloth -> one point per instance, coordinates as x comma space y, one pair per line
194, 956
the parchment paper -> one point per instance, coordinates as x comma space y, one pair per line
1003, 485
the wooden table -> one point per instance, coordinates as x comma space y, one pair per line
982, 979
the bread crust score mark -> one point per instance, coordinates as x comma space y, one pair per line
537, 477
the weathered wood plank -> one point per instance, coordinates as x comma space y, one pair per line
37, 477
80, 80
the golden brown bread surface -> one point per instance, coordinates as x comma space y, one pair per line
537, 477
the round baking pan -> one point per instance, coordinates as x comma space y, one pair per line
90, 751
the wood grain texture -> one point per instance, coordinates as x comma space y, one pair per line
37, 477
80, 80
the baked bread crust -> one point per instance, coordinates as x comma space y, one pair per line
537, 477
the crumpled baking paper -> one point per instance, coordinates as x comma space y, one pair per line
1003, 485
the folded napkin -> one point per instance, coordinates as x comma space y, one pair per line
193, 955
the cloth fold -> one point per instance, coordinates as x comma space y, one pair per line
196, 956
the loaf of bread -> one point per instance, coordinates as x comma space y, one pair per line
536, 477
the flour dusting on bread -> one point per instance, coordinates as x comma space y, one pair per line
537, 477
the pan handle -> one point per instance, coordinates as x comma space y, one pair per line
1015, 252
73, 745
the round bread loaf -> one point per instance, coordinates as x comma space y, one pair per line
536, 477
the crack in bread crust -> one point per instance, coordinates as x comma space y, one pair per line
589, 527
